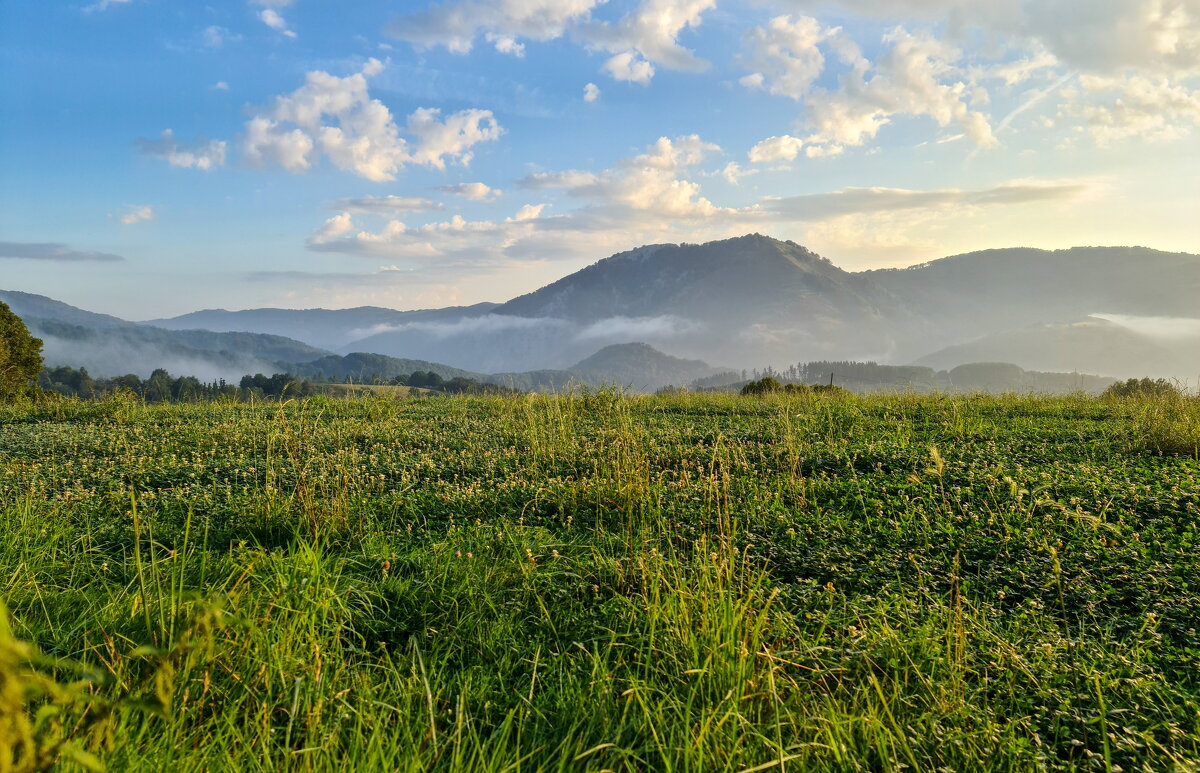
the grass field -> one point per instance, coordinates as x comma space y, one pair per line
591, 582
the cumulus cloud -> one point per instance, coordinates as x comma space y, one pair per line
202, 154
220, 86
782, 148
629, 66
134, 214
450, 138
272, 19
786, 55
591, 92
457, 25
472, 191
916, 76
1103, 36
648, 35
338, 118
1123, 44
54, 252
456, 237
1137, 107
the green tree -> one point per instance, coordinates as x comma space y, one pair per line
20, 356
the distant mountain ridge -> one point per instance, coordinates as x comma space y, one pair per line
754, 300
108, 346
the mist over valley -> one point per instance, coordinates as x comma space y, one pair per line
737, 304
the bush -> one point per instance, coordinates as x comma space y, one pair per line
762, 386
1143, 387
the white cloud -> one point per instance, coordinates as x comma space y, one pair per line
915, 76
628, 66
591, 92
214, 36
453, 238
570, 178
103, 5
337, 117
272, 19
782, 148
786, 55
733, 172
1142, 108
136, 214
220, 86
450, 138
650, 186
472, 191
202, 154
456, 25
385, 205
1021, 70
648, 35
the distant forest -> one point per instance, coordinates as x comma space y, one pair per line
873, 377
162, 387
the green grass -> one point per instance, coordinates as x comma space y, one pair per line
591, 582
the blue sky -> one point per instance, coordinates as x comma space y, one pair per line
158, 157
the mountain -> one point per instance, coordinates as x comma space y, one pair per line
640, 365
1092, 344
108, 346
636, 366
360, 367
964, 297
324, 328
744, 300
754, 301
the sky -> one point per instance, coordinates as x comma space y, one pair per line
158, 157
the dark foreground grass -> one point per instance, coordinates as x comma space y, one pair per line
698, 583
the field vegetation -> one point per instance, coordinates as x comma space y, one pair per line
794, 581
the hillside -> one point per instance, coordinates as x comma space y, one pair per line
637, 367
325, 328
744, 300
987, 292
108, 346
754, 301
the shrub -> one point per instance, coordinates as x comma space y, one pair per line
1143, 387
762, 386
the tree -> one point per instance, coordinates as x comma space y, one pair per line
20, 356
1143, 388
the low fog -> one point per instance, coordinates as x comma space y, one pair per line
118, 358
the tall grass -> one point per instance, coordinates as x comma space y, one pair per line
593, 581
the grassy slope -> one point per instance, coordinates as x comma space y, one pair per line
576, 583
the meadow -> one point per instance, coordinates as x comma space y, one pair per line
596, 582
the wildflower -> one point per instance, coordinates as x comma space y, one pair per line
458, 553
